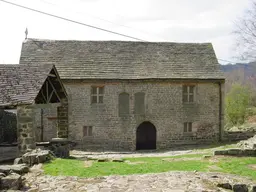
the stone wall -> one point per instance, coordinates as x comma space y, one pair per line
26, 127
238, 135
62, 114
163, 108
237, 152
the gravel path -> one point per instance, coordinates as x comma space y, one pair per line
110, 154
161, 182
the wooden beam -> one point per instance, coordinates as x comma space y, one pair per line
43, 95
47, 90
51, 75
53, 88
42, 124
49, 99
60, 82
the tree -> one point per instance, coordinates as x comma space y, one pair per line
246, 33
237, 102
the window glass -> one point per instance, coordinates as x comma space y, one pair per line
94, 90
100, 99
97, 94
187, 127
101, 90
191, 98
87, 131
188, 94
191, 89
185, 89
94, 99
190, 127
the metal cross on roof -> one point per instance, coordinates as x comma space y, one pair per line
26, 33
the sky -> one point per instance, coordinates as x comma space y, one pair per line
150, 20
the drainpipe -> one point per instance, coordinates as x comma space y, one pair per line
42, 125
220, 111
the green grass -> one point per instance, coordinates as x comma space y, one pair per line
238, 166
73, 167
210, 148
69, 167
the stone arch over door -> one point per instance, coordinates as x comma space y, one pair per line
146, 136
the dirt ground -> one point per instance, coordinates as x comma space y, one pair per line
161, 182
111, 154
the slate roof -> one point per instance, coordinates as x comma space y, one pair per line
124, 59
20, 84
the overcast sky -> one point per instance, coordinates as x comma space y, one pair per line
150, 20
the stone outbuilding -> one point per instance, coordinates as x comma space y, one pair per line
27, 88
129, 95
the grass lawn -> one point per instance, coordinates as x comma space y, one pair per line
73, 167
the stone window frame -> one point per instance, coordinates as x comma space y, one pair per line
188, 127
98, 94
87, 131
187, 94
119, 112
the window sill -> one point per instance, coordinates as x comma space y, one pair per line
188, 103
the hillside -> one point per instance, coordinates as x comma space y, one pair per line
240, 73
249, 69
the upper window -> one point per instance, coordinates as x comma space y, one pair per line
97, 94
124, 104
187, 127
188, 94
139, 103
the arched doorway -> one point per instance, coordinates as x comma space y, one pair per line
146, 136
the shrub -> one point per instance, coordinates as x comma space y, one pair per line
237, 102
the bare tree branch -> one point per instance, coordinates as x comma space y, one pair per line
245, 32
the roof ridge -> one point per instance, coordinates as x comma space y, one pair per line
117, 41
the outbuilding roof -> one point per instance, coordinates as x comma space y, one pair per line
26, 84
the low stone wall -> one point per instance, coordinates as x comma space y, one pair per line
237, 152
11, 176
237, 135
8, 152
60, 147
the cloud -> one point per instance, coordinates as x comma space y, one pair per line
152, 20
